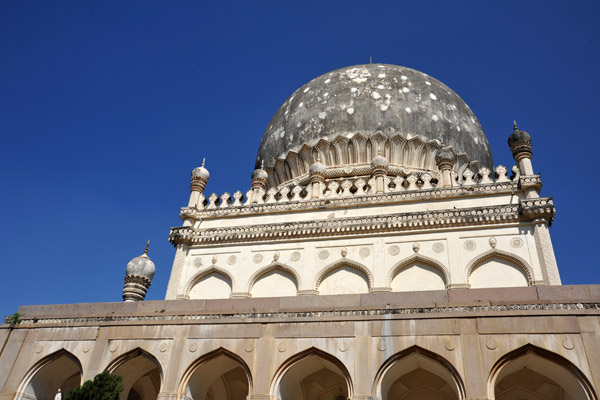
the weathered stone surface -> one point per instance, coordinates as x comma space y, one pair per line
370, 98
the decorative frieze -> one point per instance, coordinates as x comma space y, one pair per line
354, 226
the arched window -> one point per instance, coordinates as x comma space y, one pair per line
498, 269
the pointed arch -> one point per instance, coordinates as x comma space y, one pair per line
417, 258
330, 360
503, 255
49, 374
213, 269
270, 268
141, 372
546, 363
343, 262
417, 357
204, 361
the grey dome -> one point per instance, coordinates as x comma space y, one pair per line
141, 266
370, 98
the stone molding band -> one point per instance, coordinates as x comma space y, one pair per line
526, 210
246, 316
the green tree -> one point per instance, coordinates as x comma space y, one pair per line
105, 386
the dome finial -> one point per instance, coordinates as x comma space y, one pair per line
203, 162
262, 164
515, 127
370, 59
147, 245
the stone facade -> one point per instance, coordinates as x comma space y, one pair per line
379, 264
448, 344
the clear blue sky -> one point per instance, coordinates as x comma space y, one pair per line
106, 107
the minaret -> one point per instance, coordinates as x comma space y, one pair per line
138, 277
444, 160
316, 173
520, 145
200, 176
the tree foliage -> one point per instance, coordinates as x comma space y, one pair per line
105, 386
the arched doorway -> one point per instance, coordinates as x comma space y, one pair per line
141, 374
52, 377
418, 374
219, 375
532, 373
312, 375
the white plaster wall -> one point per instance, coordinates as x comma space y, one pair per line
275, 283
212, 286
418, 276
497, 273
344, 280
451, 249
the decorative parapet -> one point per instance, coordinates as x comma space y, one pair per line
348, 226
532, 209
344, 192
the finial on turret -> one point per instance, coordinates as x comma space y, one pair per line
515, 127
203, 161
370, 59
262, 164
147, 245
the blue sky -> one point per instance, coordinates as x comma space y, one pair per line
106, 107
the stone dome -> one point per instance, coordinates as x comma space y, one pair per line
141, 266
373, 98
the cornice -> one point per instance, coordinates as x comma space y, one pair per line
396, 222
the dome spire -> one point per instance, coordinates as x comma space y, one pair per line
146, 250
515, 127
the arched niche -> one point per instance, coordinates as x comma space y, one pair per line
312, 375
532, 373
212, 283
344, 277
498, 269
141, 373
418, 374
218, 375
52, 377
418, 273
275, 280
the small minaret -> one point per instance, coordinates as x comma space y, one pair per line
379, 170
444, 160
316, 176
259, 177
138, 277
200, 176
520, 145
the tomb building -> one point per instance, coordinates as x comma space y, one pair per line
379, 254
